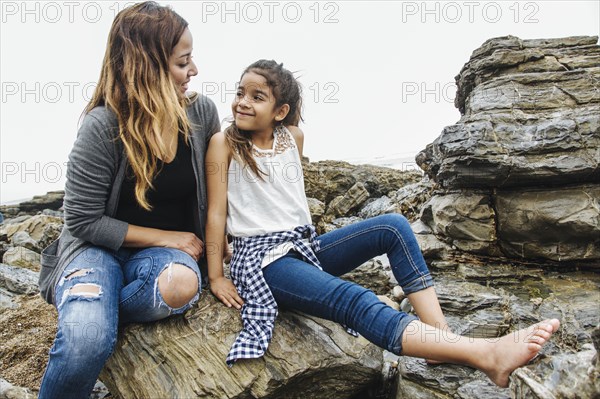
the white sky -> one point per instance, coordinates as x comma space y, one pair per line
378, 76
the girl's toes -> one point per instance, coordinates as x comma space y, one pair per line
534, 347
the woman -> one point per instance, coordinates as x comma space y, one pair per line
132, 244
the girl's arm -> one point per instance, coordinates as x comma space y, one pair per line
298, 135
217, 164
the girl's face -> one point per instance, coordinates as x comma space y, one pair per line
181, 66
254, 104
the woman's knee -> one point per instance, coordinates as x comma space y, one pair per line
178, 285
86, 342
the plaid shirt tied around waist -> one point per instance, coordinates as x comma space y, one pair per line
260, 309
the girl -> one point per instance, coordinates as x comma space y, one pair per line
256, 190
134, 199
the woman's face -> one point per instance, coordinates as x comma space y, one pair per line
181, 66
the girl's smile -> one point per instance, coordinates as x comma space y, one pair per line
254, 105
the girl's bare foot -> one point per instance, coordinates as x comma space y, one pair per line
517, 349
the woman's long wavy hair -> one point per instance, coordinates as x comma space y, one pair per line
286, 90
136, 84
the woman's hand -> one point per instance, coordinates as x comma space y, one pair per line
184, 241
224, 289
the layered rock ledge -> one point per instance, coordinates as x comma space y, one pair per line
519, 173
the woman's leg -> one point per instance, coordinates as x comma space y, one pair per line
87, 300
296, 284
344, 249
159, 282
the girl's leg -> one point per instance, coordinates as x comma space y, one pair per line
159, 282
344, 249
496, 357
87, 300
298, 285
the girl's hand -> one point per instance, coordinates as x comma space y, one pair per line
224, 289
184, 241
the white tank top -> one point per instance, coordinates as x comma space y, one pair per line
275, 203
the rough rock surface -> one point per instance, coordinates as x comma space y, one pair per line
482, 297
308, 357
325, 180
528, 146
50, 201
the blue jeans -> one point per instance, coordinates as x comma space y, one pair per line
126, 281
296, 284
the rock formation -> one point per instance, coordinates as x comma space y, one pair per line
519, 173
185, 357
517, 176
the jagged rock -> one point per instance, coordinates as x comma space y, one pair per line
34, 225
326, 180
408, 389
406, 201
23, 239
524, 218
465, 297
51, 200
529, 141
379, 206
17, 219
565, 375
472, 309
51, 212
481, 389
3, 248
9, 391
18, 280
467, 218
410, 198
517, 148
22, 257
339, 222
7, 299
398, 293
8, 212
509, 55
316, 209
442, 381
308, 357
372, 275
432, 247
343, 204
49, 234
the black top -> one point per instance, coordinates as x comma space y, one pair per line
172, 198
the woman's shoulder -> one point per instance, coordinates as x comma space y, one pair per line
103, 114
100, 121
200, 104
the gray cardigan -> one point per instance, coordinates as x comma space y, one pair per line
95, 173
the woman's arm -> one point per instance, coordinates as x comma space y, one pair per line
217, 164
144, 237
91, 172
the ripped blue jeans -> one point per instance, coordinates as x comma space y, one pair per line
120, 287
